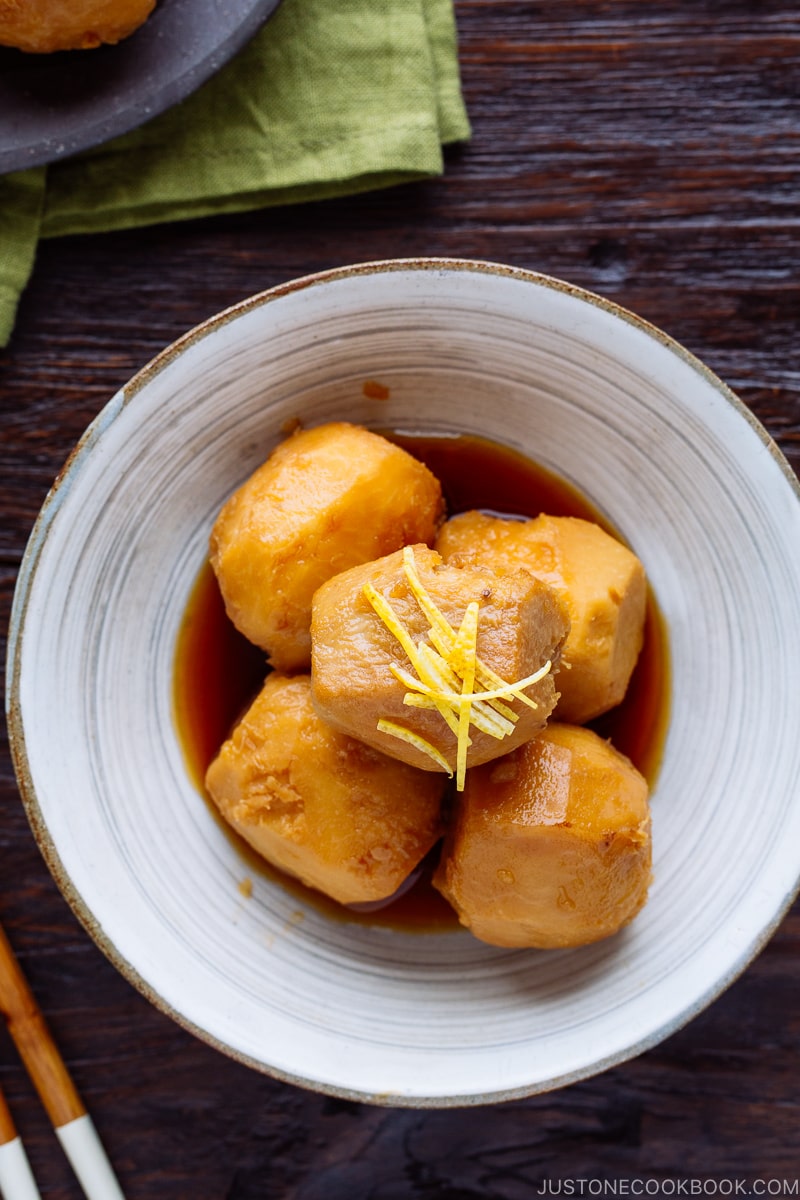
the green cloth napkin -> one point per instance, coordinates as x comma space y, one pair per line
331, 97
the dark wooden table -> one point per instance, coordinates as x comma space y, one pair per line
650, 152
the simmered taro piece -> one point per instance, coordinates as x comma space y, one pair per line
549, 846
44, 26
601, 582
441, 666
336, 814
326, 499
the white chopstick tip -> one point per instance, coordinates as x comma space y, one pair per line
16, 1177
85, 1152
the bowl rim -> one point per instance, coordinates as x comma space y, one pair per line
35, 545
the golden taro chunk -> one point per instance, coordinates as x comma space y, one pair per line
326, 499
601, 582
321, 806
442, 666
44, 26
550, 846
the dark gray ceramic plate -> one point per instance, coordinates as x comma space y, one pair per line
54, 105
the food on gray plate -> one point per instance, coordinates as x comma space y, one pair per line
549, 846
325, 500
327, 809
440, 665
44, 26
602, 584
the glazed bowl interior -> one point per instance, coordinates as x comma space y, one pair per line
652, 440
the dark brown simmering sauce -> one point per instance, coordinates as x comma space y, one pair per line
217, 672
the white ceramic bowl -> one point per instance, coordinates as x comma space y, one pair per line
653, 440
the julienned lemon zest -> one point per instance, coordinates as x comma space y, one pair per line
443, 647
449, 682
415, 740
465, 652
447, 670
442, 636
417, 700
387, 614
484, 717
432, 694
436, 619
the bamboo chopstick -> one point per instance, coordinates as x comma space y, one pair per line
16, 1177
50, 1077
7, 1129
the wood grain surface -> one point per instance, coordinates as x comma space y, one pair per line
650, 152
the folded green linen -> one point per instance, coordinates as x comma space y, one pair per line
331, 97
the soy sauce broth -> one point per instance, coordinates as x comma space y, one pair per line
218, 672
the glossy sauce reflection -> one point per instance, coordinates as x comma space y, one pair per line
218, 672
